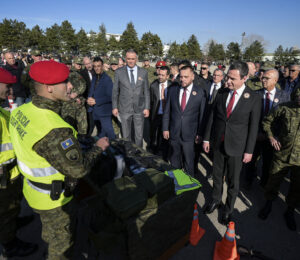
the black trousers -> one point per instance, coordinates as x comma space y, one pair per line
265, 150
183, 153
158, 144
232, 165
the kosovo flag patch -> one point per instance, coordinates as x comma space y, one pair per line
67, 143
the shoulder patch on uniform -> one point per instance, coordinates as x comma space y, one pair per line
67, 143
73, 155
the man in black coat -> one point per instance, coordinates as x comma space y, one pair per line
292, 83
182, 119
231, 132
158, 97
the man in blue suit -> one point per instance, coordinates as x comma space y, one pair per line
100, 100
182, 120
271, 97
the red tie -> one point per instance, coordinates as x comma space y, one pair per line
183, 99
230, 104
267, 106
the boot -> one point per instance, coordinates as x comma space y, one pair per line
18, 248
289, 217
266, 210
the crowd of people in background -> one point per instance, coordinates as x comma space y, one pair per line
235, 113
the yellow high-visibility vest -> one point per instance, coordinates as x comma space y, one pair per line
28, 125
7, 154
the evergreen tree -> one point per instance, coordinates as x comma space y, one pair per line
92, 40
53, 39
113, 45
216, 51
194, 51
82, 42
233, 51
174, 51
151, 46
68, 37
35, 38
279, 55
184, 51
254, 52
129, 39
101, 41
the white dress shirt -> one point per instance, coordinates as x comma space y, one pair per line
134, 73
188, 93
213, 86
239, 93
271, 97
90, 75
165, 87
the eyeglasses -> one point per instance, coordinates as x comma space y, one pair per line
293, 70
265, 78
203, 68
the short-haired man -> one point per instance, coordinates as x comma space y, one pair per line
292, 83
131, 97
183, 119
100, 100
271, 97
158, 98
231, 132
205, 73
174, 69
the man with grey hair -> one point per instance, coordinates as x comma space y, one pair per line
271, 97
131, 97
292, 83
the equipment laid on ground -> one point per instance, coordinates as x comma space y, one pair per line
146, 210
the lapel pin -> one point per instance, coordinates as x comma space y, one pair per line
194, 93
276, 100
139, 78
246, 95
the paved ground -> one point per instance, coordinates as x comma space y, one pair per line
271, 237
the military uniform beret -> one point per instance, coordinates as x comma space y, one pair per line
6, 77
160, 63
49, 72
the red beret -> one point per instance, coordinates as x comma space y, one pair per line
6, 77
49, 72
160, 63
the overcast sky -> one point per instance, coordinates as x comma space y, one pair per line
278, 22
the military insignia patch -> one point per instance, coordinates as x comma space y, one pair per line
67, 143
246, 95
194, 93
276, 100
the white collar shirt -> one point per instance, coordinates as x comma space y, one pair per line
213, 86
239, 93
134, 73
271, 97
188, 93
165, 86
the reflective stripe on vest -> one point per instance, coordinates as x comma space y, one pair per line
6, 147
8, 161
37, 172
181, 187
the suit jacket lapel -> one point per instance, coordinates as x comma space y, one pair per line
240, 101
191, 98
224, 99
277, 98
177, 98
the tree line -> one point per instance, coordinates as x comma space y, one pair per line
64, 39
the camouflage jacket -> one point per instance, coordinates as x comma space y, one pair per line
27, 82
288, 116
70, 162
151, 74
77, 81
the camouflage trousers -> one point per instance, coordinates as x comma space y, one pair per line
58, 230
279, 170
10, 199
76, 116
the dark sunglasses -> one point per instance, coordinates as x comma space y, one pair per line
204, 68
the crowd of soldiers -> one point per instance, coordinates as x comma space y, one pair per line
53, 96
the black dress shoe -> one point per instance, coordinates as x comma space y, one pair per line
226, 218
211, 207
266, 210
290, 221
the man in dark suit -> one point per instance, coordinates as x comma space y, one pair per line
231, 132
131, 97
271, 97
158, 97
292, 83
87, 73
182, 119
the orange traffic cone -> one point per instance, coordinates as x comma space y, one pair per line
196, 231
226, 249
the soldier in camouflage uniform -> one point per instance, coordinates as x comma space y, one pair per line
151, 70
286, 144
10, 183
113, 67
74, 111
61, 150
26, 81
